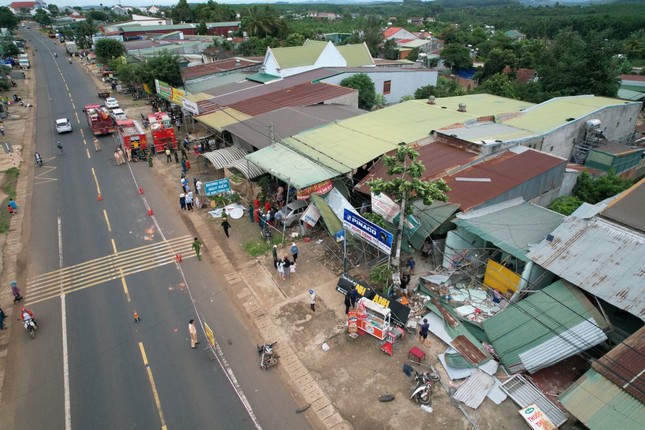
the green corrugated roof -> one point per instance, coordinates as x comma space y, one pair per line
631, 95
262, 77
356, 55
554, 113
541, 316
599, 404
429, 217
290, 166
637, 88
297, 56
514, 228
329, 218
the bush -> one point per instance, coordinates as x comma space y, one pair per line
565, 205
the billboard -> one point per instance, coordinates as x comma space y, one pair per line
359, 226
218, 186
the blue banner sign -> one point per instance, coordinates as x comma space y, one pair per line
217, 187
368, 231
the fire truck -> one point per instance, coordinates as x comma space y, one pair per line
99, 119
132, 136
162, 131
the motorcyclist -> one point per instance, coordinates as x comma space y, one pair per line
55, 55
70, 60
26, 315
38, 158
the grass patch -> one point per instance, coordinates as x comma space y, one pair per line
9, 188
259, 246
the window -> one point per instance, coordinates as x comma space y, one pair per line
386, 87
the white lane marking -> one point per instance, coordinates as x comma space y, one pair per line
63, 313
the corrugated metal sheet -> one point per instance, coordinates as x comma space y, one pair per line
247, 168
291, 167
524, 393
300, 95
628, 208
221, 117
528, 174
579, 338
601, 405
214, 67
222, 158
437, 157
625, 365
599, 257
512, 228
543, 317
473, 392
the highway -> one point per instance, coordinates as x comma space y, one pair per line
90, 263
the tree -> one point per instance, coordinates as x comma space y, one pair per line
456, 56
294, 39
164, 67
407, 183
390, 50
108, 49
201, 28
182, 12
373, 34
596, 189
83, 33
8, 19
263, 21
365, 87
445, 88
42, 18
256, 46
498, 85
565, 205
9, 49
53, 9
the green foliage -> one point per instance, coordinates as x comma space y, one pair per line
255, 46
182, 12
9, 49
381, 276
53, 9
263, 21
596, 189
407, 179
83, 33
294, 39
390, 50
365, 87
108, 49
375, 218
97, 15
379, 101
8, 19
456, 56
445, 88
498, 85
163, 66
372, 33
214, 12
5, 84
565, 205
224, 199
42, 18
201, 28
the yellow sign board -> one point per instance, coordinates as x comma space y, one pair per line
501, 278
209, 335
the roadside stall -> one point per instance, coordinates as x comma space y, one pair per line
133, 137
373, 318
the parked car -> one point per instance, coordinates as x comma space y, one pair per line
63, 125
293, 211
111, 103
118, 115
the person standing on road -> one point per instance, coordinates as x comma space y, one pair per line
423, 333
294, 252
275, 256
182, 201
168, 155
348, 303
189, 200
193, 334
287, 266
15, 291
353, 296
97, 145
197, 246
60, 148
410, 265
312, 300
280, 267
226, 226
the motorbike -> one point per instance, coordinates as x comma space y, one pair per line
55, 55
70, 60
30, 325
424, 384
268, 357
39, 161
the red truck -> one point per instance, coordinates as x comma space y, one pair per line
162, 132
132, 136
99, 119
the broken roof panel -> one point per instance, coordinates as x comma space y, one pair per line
546, 327
506, 176
513, 227
599, 257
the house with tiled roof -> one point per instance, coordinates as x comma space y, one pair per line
398, 33
17, 7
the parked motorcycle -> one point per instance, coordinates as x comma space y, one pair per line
268, 357
424, 384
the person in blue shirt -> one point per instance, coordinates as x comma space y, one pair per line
294, 251
410, 265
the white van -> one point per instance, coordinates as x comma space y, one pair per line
119, 114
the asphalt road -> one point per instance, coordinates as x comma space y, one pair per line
90, 265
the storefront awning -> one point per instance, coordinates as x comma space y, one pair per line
221, 118
222, 158
248, 169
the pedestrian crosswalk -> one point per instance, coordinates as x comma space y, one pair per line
103, 269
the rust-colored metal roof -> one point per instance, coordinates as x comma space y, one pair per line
469, 350
306, 94
439, 158
219, 66
624, 365
628, 208
505, 172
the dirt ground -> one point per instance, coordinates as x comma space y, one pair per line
354, 372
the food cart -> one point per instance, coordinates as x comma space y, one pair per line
373, 318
